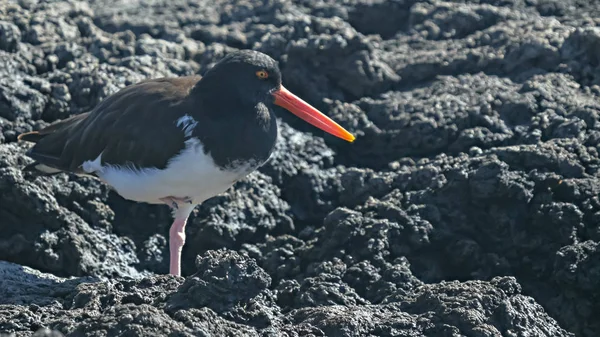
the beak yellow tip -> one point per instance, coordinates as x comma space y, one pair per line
350, 137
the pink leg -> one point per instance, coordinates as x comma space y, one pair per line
177, 235
176, 242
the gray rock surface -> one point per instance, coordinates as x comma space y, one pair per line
468, 205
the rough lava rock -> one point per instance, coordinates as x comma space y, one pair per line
229, 296
467, 206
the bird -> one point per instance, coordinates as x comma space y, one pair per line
177, 141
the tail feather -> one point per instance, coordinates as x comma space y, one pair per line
33, 136
44, 159
48, 153
38, 169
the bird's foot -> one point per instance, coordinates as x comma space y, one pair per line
175, 201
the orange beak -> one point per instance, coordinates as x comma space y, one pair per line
285, 99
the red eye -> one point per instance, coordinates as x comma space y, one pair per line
262, 74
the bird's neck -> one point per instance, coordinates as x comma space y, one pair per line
242, 129
219, 101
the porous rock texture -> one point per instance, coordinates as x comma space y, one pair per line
468, 205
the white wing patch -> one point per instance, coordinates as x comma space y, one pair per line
46, 169
187, 123
91, 166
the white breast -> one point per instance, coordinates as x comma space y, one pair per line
190, 174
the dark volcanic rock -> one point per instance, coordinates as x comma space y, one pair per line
473, 308
228, 288
468, 205
53, 237
10, 36
233, 286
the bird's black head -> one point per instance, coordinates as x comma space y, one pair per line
247, 79
247, 74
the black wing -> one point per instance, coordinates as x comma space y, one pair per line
135, 126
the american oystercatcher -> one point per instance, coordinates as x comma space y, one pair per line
178, 141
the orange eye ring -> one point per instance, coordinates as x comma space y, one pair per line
262, 74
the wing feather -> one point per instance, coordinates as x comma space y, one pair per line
135, 126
